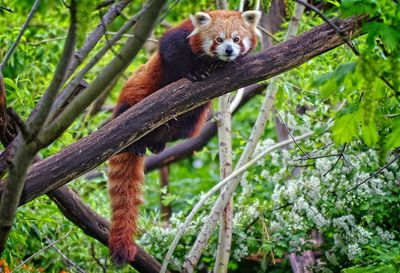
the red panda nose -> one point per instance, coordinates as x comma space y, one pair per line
229, 50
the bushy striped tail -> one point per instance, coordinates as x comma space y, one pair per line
125, 177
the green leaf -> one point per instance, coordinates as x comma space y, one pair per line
9, 83
369, 133
347, 126
392, 140
266, 5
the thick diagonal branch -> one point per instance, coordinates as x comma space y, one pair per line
175, 99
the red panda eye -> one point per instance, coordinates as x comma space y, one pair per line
236, 39
219, 40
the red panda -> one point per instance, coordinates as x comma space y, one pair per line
192, 50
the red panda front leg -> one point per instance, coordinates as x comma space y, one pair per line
204, 70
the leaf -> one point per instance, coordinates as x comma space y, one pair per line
266, 5
346, 127
9, 83
392, 140
369, 133
344, 70
387, 33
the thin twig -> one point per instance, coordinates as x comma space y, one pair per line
337, 161
97, 260
374, 174
65, 258
397, 92
290, 133
268, 33
7, 9
21, 32
330, 23
40, 251
66, 93
314, 152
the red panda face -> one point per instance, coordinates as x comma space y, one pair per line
222, 34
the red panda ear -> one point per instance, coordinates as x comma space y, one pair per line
200, 19
252, 17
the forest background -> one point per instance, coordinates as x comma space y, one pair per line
326, 203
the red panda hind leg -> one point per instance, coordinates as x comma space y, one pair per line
125, 189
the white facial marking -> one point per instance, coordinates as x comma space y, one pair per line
247, 44
228, 44
234, 34
206, 46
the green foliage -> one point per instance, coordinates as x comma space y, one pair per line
266, 5
371, 83
275, 211
290, 6
379, 261
85, 16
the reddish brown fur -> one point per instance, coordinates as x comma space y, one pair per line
222, 21
200, 123
144, 82
125, 182
126, 169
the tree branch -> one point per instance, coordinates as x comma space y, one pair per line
256, 133
115, 67
173, 100
66, 93
27, 148
21, 32
224, 123
95, 36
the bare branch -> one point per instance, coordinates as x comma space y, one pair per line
116, 66
27, 148
21, 32
256, 134
46, 102
329, 22
63, 97
39, 252
95, 36
6, 9
224, 123
64, 257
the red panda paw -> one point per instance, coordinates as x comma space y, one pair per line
122, 254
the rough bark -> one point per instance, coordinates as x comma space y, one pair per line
175, 99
